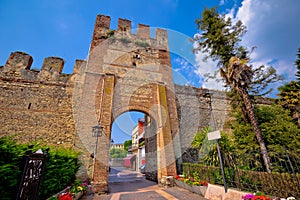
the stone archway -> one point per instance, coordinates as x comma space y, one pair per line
149, 139
125, 72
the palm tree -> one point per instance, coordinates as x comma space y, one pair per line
238, 75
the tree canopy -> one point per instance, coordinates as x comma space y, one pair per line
277, 127
219, 38
127, 143
289, 96
297, 63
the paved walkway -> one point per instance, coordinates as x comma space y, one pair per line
128, 185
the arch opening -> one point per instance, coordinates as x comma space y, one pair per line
133, 146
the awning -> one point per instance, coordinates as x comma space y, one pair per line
127, 160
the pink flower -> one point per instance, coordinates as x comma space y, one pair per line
248, 197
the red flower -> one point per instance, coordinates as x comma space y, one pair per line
204, 183
260, 198
65, 196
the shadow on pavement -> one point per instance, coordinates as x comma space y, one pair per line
124, 180
125, 184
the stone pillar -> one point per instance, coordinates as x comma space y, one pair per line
166, 158
101, 166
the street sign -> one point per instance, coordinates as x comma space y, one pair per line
214, 135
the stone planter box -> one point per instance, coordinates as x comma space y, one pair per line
201, 190
78, 196
188, 187
179, 183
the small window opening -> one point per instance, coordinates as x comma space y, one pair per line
29, 106
134, 65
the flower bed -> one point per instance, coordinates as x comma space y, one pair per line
192, 183
260, 196
73, 192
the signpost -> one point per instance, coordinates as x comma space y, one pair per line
215, 135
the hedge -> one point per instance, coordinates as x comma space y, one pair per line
60, 169
275, 183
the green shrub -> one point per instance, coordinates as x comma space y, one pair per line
125, 40
276, 184
142, 43
117, 153
60, 169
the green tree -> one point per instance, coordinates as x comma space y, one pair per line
127, 143
297, 63
117, 153
277, 128
220, 40
289, 96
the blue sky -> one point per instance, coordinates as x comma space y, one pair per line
63, 28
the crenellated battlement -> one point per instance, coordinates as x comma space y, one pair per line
18, 60
140, 44
102, 32
18, 67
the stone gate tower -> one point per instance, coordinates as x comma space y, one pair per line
126, 71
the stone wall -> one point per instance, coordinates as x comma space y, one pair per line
41, 109
151, 150
36, 105
117, 162
194, 111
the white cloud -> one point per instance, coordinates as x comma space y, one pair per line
274, 29
208, 67
185, 73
